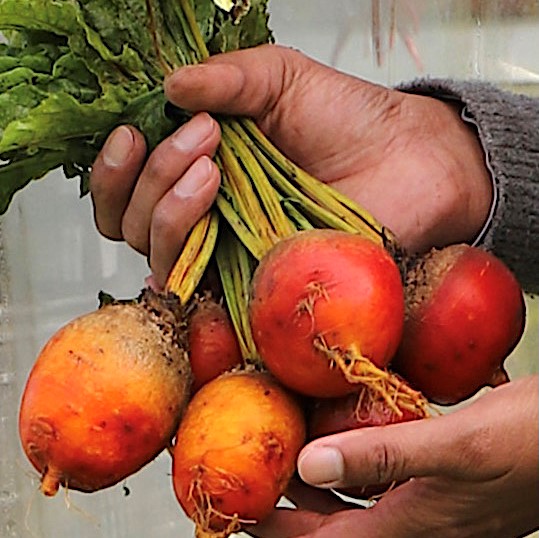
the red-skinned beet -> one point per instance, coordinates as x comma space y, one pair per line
213, 345
327, 416
334, 415
326, 307
465, 313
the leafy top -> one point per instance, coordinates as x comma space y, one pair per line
72, 70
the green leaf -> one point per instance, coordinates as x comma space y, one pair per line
39, 59
148, 113
60, 118
20, 75
251, 29
72, 70
66, 18
17, 102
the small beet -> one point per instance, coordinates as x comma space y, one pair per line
213, 345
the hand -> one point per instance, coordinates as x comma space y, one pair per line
409, 159
153, 204
473, 473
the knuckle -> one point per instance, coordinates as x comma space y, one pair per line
388, 463
134, 235
156, 166
164, 221
385, 104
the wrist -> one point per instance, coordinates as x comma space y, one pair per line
481, 185
468, 169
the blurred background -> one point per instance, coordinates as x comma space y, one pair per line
53, 262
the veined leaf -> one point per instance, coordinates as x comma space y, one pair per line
20, 75
54, 16
60, 118
17, 103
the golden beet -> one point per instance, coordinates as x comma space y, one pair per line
235, 451
105, 395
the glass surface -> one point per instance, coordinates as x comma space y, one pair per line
53, 262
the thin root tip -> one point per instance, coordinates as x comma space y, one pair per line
50, 483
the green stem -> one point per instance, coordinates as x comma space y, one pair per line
245, 201
192, 30
301, 222
235, 270
323, 195
278, 221
250, 240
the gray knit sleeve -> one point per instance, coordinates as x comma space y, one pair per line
508, 127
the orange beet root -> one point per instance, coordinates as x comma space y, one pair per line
235, 451
105, 395
327, 311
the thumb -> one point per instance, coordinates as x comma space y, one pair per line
248, 82
381, 455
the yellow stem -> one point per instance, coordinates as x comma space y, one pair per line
277, 219
194, 258
322, 194
235, 270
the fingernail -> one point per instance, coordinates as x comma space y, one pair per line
322, 466
192, 134
195, 178
151, 282
118, 147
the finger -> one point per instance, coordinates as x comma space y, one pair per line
250, 81
314, 499
287, 523
177, 212
381, 455
113, 176
165, 166
312, 505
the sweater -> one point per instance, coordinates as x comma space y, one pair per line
508, 128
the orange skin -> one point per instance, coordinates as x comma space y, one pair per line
329, 284
236, 450
455, 342
97, 407
213, 346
